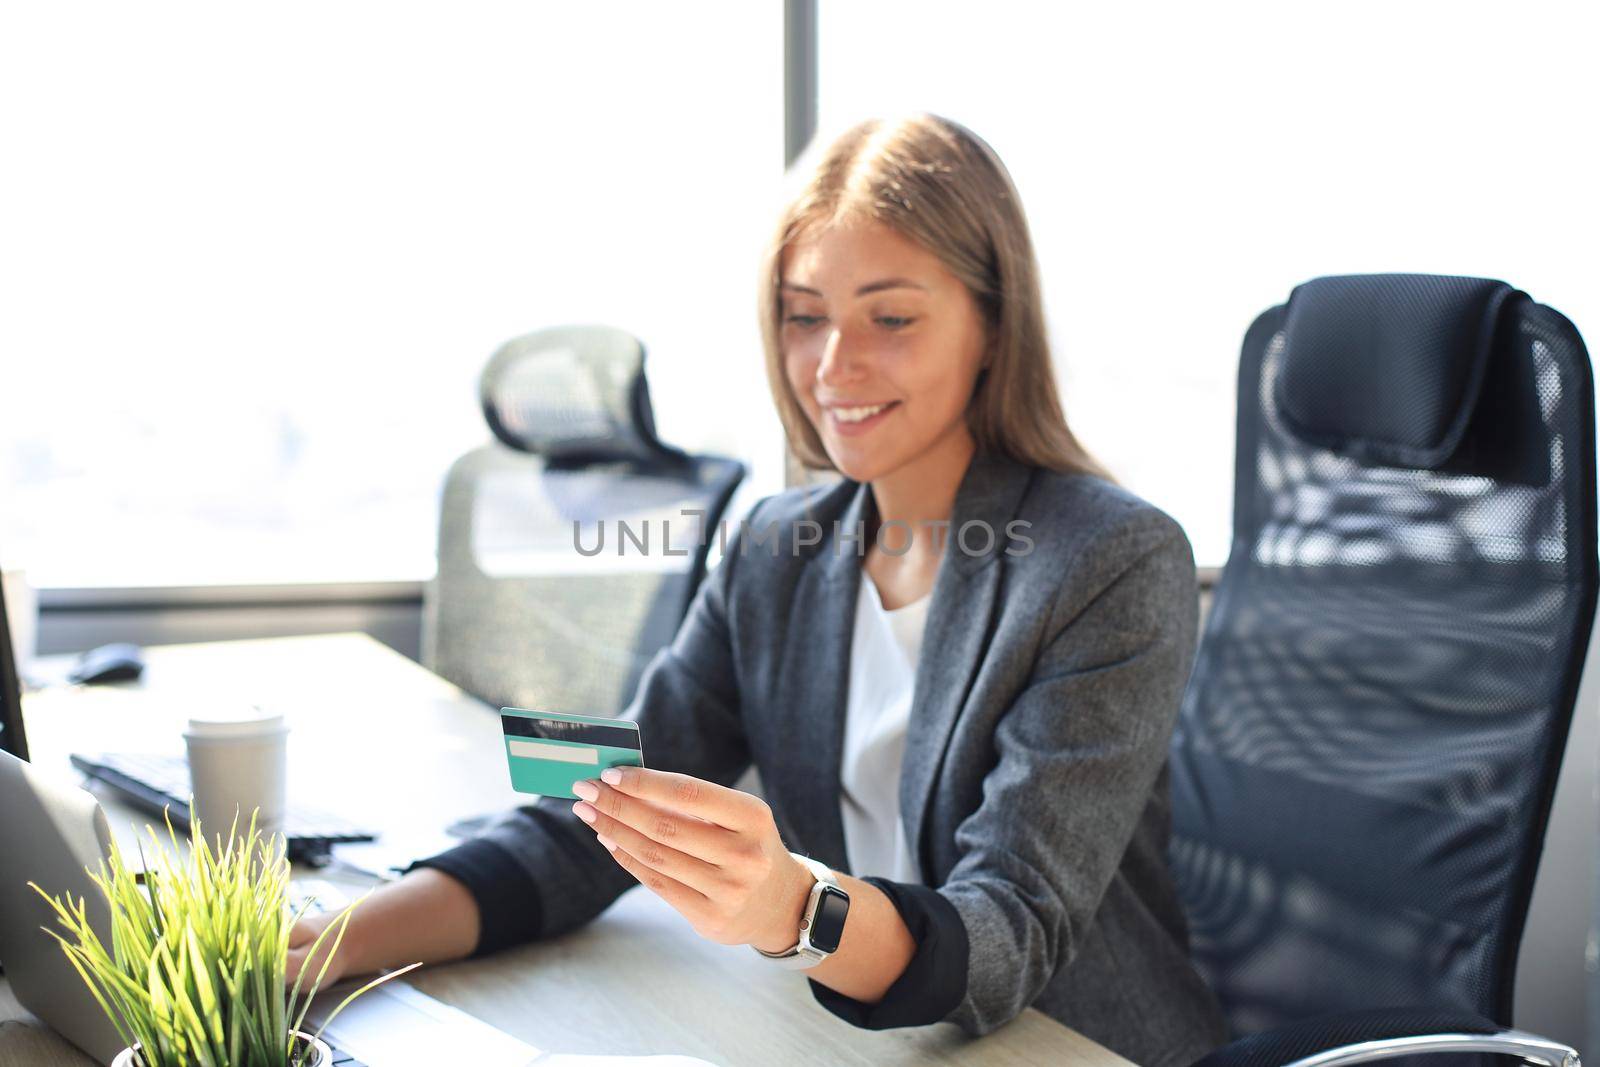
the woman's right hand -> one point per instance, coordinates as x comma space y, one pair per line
301, 937
426, 916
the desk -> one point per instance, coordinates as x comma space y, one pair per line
636, 980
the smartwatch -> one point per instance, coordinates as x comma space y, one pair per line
821, 924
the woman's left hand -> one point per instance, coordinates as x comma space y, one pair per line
711, 852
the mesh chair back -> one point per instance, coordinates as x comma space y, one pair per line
569, 548
1369, 742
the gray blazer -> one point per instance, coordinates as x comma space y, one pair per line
1034, 785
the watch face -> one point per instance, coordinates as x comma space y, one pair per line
828, 926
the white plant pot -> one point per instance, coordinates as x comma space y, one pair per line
321, 1055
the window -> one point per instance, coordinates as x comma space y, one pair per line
1183, 166
255, 257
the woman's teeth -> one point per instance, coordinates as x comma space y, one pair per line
857, 414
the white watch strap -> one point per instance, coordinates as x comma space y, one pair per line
794, 956
818, 869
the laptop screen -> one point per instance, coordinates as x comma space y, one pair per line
12, 739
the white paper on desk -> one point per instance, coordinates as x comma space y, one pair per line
569, 1059
398, 1025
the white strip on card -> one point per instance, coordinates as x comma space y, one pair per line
560, 753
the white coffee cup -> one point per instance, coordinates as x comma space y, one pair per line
238, 763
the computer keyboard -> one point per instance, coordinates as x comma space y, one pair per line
155, 782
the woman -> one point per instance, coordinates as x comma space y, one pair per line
957, 669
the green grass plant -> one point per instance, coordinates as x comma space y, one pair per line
195, 972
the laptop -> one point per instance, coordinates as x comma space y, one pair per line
12, 739
52, 833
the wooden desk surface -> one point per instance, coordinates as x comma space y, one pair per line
637, 980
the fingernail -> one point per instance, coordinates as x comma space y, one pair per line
611, 846
585, 789
583, 811
611, 776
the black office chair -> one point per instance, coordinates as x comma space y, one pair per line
1369, 743
524, 611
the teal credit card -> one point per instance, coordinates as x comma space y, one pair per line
549, 751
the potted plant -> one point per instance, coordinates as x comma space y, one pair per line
194, 974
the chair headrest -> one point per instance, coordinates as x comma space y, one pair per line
1387, 368
573, 393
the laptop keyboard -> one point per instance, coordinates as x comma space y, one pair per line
154, 782
342, 1058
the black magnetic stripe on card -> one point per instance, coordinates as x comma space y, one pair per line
581, 733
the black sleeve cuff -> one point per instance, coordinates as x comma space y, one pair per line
509, 912
933, 983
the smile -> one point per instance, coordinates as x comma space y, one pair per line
855, 415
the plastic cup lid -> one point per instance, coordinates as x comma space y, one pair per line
234, 720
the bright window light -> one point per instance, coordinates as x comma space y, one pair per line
1183, 166
254, 258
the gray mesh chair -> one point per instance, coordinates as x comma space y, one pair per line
1368, 746
570, 547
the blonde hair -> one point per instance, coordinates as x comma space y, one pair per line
938, 184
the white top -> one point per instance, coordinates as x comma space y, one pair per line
883, 667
